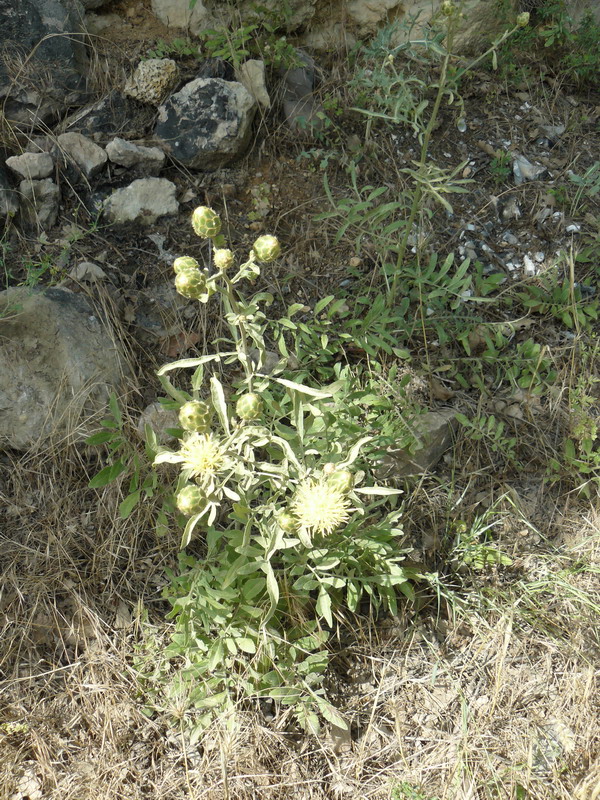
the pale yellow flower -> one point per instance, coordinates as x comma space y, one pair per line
202, 455
319, 508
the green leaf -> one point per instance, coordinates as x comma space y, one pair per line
272, 590
219, 402
246, 644
108, 474
129, 503
300, 387
354, 452
383, 491
190, 525
332, 715
115, 410
322, 303
184, 363
101, 437
324, 607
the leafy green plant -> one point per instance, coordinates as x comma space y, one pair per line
473, 545
563, 300
259, 38
175, 48
501, 168
491, 430
387, 95
275, 477
406, 791
125, 459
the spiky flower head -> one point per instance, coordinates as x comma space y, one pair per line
184, 263
202, 455
523, 19
448, 8
206, 222
266, 248
319, 507
223, 259
195, 415
342, 480
249, 406
191, 500
191, 283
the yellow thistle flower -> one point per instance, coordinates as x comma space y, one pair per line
202, 455
319, 508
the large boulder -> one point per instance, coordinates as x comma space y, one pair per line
207, 124
58, 367
43, 60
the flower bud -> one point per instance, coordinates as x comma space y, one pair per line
223, 259
191, 500
342, 480
206, 222
249, 406
184, 263
523, 19
195, 415
191, 283
266, 248
447, 8
287, 522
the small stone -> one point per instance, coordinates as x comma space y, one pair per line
251, 75
89, 157
88, 272
32, 166
39, 204
127, 154
143, 201
152, 81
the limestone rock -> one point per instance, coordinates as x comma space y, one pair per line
58, 366
88, 156
147, 159
39, 205
143, 201
300, 108
42, 64
251, 75
217, 14
9, 201
206, 124
31, 165
152, 80
434, 430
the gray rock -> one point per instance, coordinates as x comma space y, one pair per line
39, 204
113, 115
58, 366
31, 165
206, 124
143, 201
89, 157
90, 5
524, 170
160, 311
9, 199
43, 61
300, 109
147, 159
434, 431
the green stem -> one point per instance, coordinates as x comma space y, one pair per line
234, 308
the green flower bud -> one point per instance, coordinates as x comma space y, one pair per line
447, 8
195, 415
266, 248
191, 500
206, 222
523, 19
223, 259
184, 263
342, 480
249, 406
287, 522
191, 283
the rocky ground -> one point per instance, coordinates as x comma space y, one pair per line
487, 689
